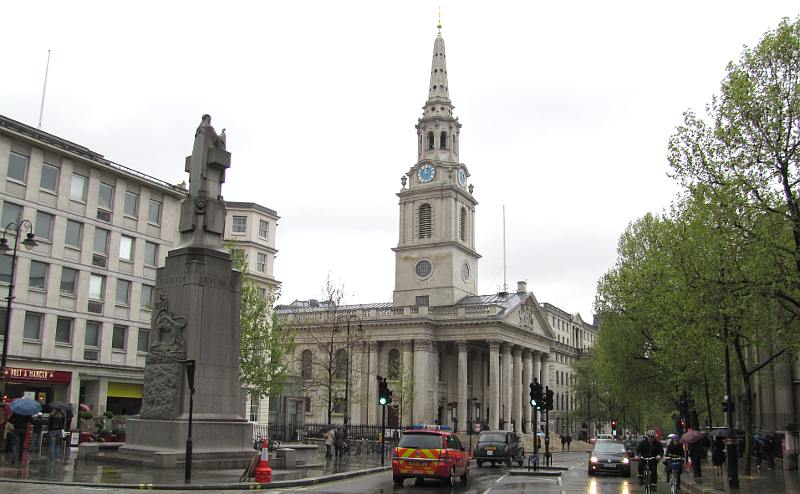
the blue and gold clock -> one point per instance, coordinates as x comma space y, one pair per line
426, 172
462, 177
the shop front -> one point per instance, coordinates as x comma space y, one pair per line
124, 398
42, 385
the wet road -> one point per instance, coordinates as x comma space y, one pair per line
486, 480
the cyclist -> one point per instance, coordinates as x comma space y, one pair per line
649, 447
674, 451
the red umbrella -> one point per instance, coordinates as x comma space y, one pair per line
691, 436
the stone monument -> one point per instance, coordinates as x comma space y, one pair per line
196, 317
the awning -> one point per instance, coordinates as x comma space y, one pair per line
124, 390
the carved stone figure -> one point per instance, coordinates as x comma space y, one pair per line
526, 316
163, 370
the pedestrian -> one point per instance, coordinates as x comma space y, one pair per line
339, 442
758, 451
329, 438
770, 443
696, 456
718, 454
20, 423
68, 418
36, 436
563, 442
55, 429
569, 440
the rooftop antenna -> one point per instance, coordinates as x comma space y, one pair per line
44, 89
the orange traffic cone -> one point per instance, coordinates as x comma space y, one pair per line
263, 470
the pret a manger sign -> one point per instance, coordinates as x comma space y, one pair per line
43, 375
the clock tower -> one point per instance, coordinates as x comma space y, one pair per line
435, 259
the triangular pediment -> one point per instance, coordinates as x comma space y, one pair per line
528, 315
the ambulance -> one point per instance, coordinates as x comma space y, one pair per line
429, 452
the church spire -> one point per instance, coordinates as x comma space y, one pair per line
437, 129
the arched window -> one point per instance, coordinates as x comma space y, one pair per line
305, 364
340, 364
394, 364
425, 214
443, 140
430, 140
463, 225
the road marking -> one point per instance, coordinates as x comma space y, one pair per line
487, 491
559, 484
499, 479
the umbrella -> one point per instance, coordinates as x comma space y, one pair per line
58, 404
691, 436
719, 432
25, 406
85, 408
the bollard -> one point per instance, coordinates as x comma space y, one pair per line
263, 471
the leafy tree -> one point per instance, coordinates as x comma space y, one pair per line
266, 344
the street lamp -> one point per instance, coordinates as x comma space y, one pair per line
347, 372
190, 366
16, 228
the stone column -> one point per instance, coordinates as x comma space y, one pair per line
537, 367
494, 384
516, 390
462, 385
372, 386
422, 373
407, 379
506, 382
527, 379
434, 379
545, 380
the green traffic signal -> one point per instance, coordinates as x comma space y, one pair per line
382, 400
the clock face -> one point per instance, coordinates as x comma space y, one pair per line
465, 271
462, 177
423, 268
426, 173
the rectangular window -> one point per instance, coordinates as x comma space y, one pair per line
262, 292
263, 229
17, 167
118, 337
131, 204
239, 224
49, 180
64, 330
150, 254
5, 269
44, 226
422, 300
123, 292
11, 214
74, 234
92, 334
154, 212
69, 280
77, 187
261, 262
105, 196
143, 340
147, 297
97, 287
101, 241
33, 326
38, 275
126, 248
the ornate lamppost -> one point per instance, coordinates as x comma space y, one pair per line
15, 228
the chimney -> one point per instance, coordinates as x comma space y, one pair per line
522, 287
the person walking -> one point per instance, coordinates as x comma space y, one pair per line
20, 423
569, 440
329, 439
563, 442
718, 454
36, 436
695, 451
55, 429
339, 442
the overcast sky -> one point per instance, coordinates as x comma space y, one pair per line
566, 110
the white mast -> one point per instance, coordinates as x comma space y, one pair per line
44, 89
505, 283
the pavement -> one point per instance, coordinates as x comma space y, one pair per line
765, 481
70, 470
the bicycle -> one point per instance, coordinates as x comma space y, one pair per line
674, 467
646, 473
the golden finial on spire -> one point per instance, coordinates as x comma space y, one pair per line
439, 24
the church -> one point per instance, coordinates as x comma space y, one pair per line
450, 355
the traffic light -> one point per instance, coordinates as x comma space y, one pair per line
726, 404
384, 393
613, 427
548, 399
536, 395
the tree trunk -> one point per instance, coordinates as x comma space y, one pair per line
747, 405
